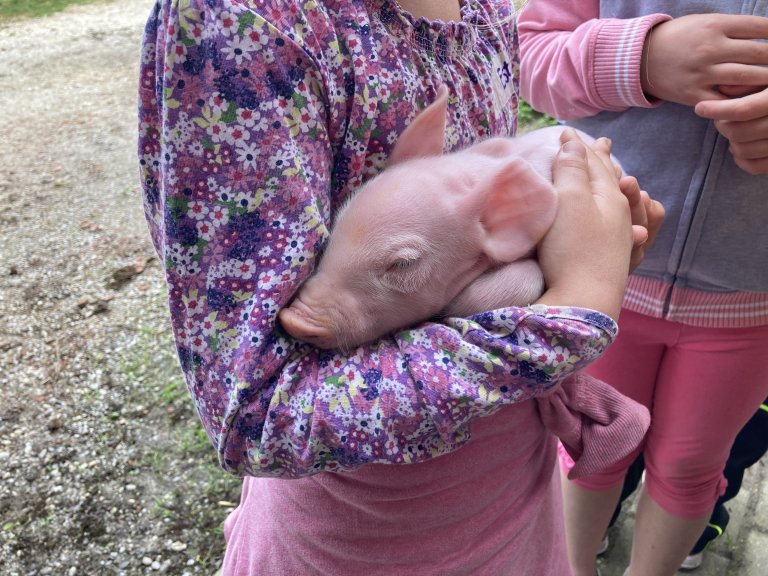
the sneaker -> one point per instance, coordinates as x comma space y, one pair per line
604, 543
692, 562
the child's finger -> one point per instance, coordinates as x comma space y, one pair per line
599, 165
602, 149
639, 235
739, 90
743, 109
655, 213
569, 134
569, 169
602, 146
631, 190
644, 236
618, 169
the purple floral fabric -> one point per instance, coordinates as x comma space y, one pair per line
256, 120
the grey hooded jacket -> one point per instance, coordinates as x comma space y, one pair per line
715, 235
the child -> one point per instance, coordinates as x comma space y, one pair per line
748, 448
257, 119
695, 318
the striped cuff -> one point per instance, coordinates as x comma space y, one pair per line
616, 58
657, 299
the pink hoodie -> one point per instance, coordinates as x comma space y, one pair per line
591, 67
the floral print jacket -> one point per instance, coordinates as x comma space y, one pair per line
256, 119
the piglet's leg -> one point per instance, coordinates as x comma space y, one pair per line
515, 284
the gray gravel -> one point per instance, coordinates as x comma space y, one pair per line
103, 466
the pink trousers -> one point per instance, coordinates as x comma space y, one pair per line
701, 386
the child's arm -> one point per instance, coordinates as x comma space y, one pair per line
575, 64
239, 160
686, 59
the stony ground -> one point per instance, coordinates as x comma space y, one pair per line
103, 466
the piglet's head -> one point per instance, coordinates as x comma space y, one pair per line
413, 237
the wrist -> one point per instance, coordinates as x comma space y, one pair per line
617, 60
604, 295
645, 69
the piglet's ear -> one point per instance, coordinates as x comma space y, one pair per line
519, 208
425, 135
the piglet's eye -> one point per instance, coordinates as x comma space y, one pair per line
402, 264
404, 275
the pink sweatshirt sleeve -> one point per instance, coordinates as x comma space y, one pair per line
576, 64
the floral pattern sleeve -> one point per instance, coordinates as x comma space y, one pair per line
256, 120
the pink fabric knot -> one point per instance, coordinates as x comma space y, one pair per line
597, 425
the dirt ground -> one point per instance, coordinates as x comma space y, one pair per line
103, 465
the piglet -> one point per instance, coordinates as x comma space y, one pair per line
433, 234
455, 234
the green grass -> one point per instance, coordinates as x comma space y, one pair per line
529, 119
34, 8
173, 390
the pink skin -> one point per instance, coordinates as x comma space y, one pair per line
429, 234
743, 120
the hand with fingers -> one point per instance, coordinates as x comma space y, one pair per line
585, 256
647, 216
686, 59
743, 120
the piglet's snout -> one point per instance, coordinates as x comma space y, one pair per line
320, 314
304, 323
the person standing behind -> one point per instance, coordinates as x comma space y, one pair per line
748, 448
683, 97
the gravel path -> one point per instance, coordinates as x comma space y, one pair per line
103, 467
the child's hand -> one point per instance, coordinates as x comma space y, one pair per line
586, 254
647, 214
647, 217
744, 122
687, 58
